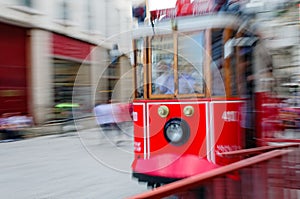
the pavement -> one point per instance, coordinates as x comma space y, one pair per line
88, 163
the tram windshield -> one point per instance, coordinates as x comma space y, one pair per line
162, 62
190, 63
177, 69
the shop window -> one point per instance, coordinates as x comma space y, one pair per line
71, 86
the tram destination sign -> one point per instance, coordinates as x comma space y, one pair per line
188, 8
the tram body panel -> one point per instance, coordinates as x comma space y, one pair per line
214, 127
226, 129
168, 161
195, 144
139, 130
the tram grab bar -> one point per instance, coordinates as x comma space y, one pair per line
256, 150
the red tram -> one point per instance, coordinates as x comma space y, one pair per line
195, 78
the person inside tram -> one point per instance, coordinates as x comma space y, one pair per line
198, 87
189, 80
164, 83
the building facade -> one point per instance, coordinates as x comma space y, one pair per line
279, 24
55, 52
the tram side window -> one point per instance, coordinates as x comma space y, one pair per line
234, 84
140, 81
217, 69
233, 68
162, 74
190, 63
139, 68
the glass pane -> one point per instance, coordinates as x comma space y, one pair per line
234, 89
162, 75
139, 68
190, 63
217, 69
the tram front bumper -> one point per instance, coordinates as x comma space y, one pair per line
172, 166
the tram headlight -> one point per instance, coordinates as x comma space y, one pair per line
163, 111
177, 131
188, 111
174, 132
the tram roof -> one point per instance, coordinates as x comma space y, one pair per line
190, 23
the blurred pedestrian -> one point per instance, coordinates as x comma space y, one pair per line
114, 54
104, 115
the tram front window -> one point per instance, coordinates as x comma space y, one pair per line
162, 56
182, 53
190, 63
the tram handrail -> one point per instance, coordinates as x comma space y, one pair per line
256, 150
278, 140
197, 180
